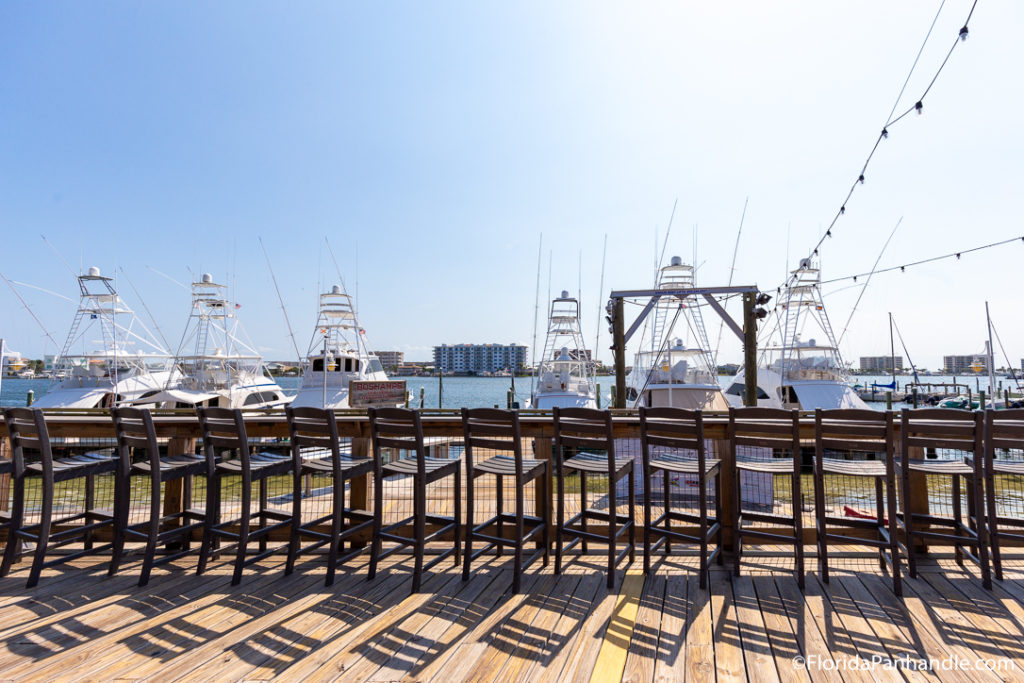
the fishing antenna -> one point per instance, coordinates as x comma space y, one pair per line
600, 295
59, 296
62, 259
732, 270
30, 312
152, 319
284, 311
536, 312
868, 281
165, 275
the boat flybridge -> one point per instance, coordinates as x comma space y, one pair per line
796, 373
337, 356
672, 370
213, 365
565, 374
109, 357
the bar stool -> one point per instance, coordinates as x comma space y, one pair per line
669, 430
402, 429
498, 430
776, 429
223, 435
315, 428
27, 431
956, 430
1003, 429
861, 431
135, 431
586, 428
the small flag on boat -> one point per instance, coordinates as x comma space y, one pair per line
362, 331
237, 306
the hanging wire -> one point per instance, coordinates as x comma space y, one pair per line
953, 254
918, 107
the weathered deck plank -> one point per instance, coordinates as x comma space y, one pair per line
79, 625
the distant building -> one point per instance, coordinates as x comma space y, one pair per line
959, 365
479, 358
880, 363
391, 359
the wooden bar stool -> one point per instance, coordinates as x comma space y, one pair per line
774, 429
961, 431
316, 430
858, 431
224, 435
577, 429
135, 432
34, 462
402, 429
1004, 429
663, 433
498, 430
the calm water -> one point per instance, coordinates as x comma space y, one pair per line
472, 392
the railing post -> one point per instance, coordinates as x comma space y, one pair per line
619, 346
750, 349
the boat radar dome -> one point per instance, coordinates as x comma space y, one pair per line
336, 289
565, 294
805, 263
677, 261
207, 279
94, 271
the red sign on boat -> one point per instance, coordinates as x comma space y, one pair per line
364, 393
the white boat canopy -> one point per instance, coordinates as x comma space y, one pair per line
827, 396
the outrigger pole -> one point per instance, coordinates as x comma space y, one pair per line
753, 300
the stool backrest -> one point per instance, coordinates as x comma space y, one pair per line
313, 428
26, 429
399, 428
672, 428
1004, 429
493, 429
767, 427
868, 431
223, 433
134, 429
584, 428
960, 430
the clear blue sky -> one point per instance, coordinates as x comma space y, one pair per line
434, 142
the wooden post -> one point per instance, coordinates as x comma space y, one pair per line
174, 490
5, 479
749, 350
358, 486
542, 451
619, 344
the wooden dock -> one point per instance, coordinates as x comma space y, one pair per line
80, 625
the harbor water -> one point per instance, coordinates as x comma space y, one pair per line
480, 392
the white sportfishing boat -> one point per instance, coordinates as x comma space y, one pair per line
214, 366
671, 370
109, 356
565, 374
338, 356
795, 373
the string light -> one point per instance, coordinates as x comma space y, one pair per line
918, 107
903, 268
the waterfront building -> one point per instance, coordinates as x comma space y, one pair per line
959, 365
883, 364
391, 359
479, 358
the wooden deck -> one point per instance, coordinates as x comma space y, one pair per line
80, 625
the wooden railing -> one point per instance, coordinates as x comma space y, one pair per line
182, 430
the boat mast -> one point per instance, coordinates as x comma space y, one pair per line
991, 359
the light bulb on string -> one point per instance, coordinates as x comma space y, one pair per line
963, 34
885, 133
861, 179
919, 107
